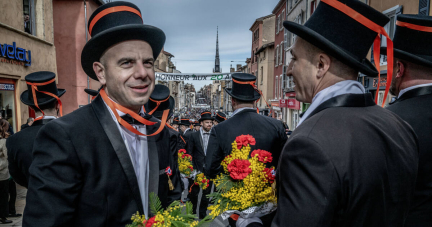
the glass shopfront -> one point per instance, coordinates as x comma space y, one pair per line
7, 101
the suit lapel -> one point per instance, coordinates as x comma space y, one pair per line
347, 100
414, 93
201, 141
153, 161
113, 134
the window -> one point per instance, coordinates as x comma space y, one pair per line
424, 7
277, 55
312, 7
281, 53
276, 87
262, 74
280, 86
390, 28
290, 4
256, 35
278, 24
283, 15
28, 16
281, 22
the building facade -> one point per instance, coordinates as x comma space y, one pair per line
26, 46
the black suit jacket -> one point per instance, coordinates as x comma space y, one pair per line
351, 163
82, 174
175, 147
19, 147
415, 107
196, 150
269, 134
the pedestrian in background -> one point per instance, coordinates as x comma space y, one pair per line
4, 172
29, 123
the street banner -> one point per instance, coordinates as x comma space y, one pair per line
192, 76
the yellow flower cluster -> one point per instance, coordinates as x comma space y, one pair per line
185, 164
199, 178
138, 218
165, 219
256, 188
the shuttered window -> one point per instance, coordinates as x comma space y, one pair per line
424, 7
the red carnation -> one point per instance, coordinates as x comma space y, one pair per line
204, 181
239, 169
150, 222
263, 156
182, 151
190, 167
208, 180
270, 174
244, 140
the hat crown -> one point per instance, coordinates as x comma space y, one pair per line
342, 30
113, 14
36, 79
243, 91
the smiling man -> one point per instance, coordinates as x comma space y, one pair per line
98, 165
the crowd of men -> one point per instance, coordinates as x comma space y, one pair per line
349, 162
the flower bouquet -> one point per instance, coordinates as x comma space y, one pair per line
246, 187
174, 215
201, 181
185, 163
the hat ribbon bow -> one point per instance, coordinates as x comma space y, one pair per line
157, 104
114, 107
252, 83
34, 87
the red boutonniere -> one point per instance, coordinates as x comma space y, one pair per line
239, 169
244, 140
270, 174
168, 171
263, 156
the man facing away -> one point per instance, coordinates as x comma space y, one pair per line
349, 162
29, 122
197, 148
98, 165
46, 107
412, 84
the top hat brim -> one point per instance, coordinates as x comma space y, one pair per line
416, 59
91, 92
309, 35
205, 118
158, 114
255, 97
29, 102
98, 44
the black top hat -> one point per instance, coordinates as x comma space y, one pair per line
91, 92
196, 123
206, 115
219, 117
240, 89
341, 36
161, 95
176, 120
113, 23
41, 98
184, 121
411, 40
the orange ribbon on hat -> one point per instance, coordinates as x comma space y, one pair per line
252, 83
157, 104
112, 10
114, 107
414, 26
377, 42
34, 87
221, 116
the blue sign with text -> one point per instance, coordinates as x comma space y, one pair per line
15, 53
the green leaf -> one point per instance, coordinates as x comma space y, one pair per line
173, 204
189, 208
155, 203
205, 222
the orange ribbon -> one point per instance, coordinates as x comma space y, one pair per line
252, 83
184, 141
157, 104
377, 42
205, 113
34, 87
221, 116
414, 26
114, 107
112, 10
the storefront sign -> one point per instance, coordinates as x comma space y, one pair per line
15, 54
291, 94
283, 103
7, 87
275, 104
383, 82
293, 104
192, 76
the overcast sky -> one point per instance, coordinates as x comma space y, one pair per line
190, 27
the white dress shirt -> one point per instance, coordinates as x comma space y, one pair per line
137, 148
411, 88
241, 109
184, 133
205, 138
340, 88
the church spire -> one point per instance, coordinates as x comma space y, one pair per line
217, 61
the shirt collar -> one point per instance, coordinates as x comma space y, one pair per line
49, 117
411, 88
202, 131
121, 114
241, 109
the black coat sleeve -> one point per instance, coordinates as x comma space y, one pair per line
176, 179
55, 179
14, 168
214, 156
190, 149
307, 185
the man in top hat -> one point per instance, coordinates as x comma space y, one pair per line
159, 101
349, 162
268, 132
40, 97
412, 84
197, 147
218, 118
98, 165
197, 126
175, 123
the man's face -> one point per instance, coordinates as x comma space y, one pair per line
304, 72
175, 126
127, 73
183, 127
215, 123
207, 124
26, 18
197, 128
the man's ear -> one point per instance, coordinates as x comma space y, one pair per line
400, 69
99, 70
323, 65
